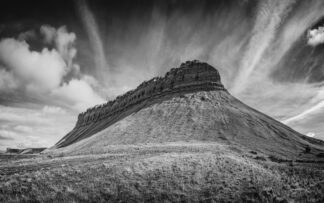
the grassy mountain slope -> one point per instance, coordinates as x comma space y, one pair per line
205, 116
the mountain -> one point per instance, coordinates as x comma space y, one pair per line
189, 104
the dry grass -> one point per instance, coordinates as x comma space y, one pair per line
174, 172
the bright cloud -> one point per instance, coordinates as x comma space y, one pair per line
42, 74
7, 81
315, 36
310, 134
62, 40
39, 71
53, 110
77, 93
49, 33
23, 129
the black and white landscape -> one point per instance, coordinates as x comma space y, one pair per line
162, 101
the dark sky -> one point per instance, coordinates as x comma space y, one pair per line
118, 17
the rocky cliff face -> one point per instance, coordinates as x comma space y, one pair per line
191, 76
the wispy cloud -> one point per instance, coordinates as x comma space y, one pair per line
270, 15
319, 107
92, 30
313, 107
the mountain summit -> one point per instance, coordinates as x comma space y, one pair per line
188, 104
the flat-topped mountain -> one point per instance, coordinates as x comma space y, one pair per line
191, 76
188, 104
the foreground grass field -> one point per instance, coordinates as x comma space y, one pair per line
173, 172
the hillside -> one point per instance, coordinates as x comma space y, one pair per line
204, 116
168, 172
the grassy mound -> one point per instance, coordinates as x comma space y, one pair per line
172, 172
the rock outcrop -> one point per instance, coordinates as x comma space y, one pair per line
25, 151
191, 76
